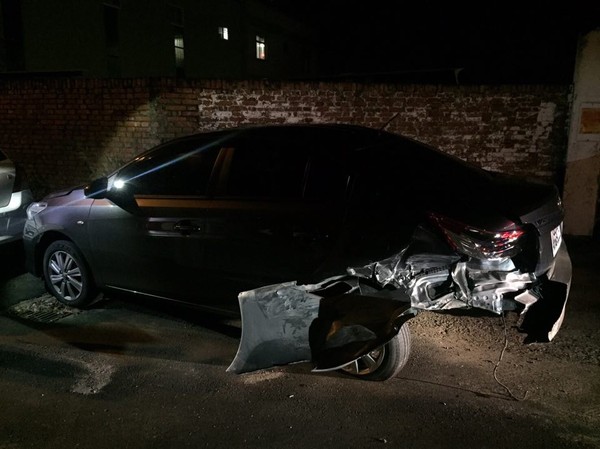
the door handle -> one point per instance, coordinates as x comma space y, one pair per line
186, 227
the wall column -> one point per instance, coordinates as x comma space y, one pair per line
583, 154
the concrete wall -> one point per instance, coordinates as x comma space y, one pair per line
583, 159
64, 132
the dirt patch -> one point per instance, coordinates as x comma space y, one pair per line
486, 356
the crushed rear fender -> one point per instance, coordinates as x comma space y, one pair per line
337, 321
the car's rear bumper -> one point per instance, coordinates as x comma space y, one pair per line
544, 316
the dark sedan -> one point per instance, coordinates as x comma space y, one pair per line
326, 238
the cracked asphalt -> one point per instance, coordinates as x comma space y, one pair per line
133, 374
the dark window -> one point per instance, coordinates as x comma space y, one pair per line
180, 168
12, 21
175, 15
111, 28
111, 35
266, 170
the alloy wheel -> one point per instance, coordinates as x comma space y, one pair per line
366, 364
65, 275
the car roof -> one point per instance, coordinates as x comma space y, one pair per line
353, 136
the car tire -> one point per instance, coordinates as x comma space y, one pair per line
67, 276
385, 362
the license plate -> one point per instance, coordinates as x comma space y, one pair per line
556, 238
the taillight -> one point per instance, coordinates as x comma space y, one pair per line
479, 243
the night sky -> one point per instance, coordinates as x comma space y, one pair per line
493, 42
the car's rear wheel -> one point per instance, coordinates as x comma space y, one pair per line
385, 362
67, 275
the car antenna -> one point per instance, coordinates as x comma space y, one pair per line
386, 124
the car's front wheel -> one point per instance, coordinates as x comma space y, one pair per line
385, 362
67, 275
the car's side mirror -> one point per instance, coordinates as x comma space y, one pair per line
97, 189
120, 194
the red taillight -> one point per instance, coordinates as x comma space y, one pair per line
479, 243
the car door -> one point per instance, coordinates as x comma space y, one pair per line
149, 236
268, 223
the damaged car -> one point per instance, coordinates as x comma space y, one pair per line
325, 239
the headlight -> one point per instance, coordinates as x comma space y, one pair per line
35, 208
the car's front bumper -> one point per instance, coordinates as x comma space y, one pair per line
13, 216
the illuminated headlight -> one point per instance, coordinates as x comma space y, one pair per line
119, 184
35, 208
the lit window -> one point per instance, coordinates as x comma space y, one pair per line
179, 49
224, 33
261, 49
175, 17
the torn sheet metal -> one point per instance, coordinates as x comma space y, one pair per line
341, 319
441, 282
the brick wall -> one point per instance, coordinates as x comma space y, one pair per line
65, 132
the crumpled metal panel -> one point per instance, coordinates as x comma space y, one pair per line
336, 321
441, 282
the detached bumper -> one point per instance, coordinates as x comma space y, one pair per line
330, 323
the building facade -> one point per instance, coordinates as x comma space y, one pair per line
226, 39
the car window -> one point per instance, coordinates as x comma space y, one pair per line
266, 169
404, 170
327, 176
180, 168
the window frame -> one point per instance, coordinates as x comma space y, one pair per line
167, 151
223, 33
261, 47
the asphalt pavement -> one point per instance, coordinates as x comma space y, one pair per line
132, 374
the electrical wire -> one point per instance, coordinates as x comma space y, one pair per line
510, 393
